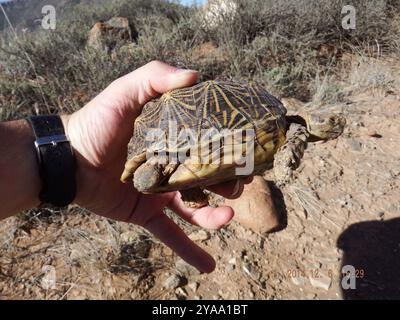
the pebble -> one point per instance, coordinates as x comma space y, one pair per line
181, 293
323, 282
311, 296
172, 282
355, 145
298, 281
381, 215
230, 267
199, 235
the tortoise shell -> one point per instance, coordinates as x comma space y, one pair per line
220, 105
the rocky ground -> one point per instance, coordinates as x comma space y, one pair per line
342, 209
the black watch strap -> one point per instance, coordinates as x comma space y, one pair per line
56, 161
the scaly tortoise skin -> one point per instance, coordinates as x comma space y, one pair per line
280, 139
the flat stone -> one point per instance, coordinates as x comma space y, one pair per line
298, 281
230, 267
355, 145
323, 282
172, 282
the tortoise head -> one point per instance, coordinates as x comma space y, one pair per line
324, 126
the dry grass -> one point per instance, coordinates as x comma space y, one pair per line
368, 73
280, 43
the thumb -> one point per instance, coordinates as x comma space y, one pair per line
151, 80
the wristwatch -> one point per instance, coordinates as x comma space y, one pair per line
57, 167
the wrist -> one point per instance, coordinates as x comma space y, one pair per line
82, 165
19, 168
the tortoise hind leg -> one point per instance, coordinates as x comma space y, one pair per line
194, 198
287, 159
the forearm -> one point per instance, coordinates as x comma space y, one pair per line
19, 174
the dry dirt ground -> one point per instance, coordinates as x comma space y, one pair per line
342, 209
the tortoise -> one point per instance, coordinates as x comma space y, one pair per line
279, 140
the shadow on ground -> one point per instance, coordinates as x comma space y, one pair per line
280, 206
373, 248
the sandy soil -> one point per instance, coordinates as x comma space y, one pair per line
342, 209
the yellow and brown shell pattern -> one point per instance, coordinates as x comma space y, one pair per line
219, 105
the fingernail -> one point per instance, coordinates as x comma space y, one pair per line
181, 78
178, 70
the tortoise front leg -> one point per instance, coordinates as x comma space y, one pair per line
287, 159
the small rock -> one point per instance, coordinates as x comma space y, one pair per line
172, 282
355, 145
381, 215
232, 260
311, 296
181, 293
199, 235
251, 271
105, 35
323, 282
197, 297
298, 281
230, 267
193, 286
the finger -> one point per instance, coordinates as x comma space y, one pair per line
153, 79
230, 190
206, 217
170, 234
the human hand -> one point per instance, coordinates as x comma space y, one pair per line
99, 134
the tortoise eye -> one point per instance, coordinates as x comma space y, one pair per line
332, 120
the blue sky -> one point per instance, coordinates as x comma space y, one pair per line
188, 2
